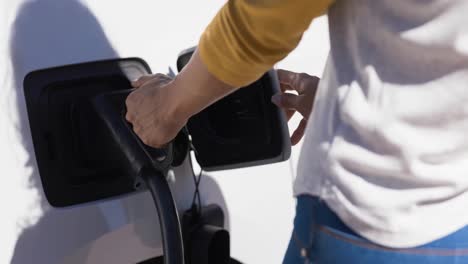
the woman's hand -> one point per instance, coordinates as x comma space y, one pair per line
306, 87
160, 106
151, 108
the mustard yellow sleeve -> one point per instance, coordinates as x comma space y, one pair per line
247, 37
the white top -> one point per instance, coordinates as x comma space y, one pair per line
387, 142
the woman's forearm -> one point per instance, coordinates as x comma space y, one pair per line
195, 88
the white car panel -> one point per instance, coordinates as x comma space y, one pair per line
43, 33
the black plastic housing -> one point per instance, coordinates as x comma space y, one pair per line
206, 240
77, 159
241, 130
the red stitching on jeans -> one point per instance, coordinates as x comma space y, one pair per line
420, 251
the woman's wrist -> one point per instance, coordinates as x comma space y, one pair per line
195, 88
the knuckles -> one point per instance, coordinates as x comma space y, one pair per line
129, 117
146, 141
303, 76
152, 142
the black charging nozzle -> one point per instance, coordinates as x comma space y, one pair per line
149, 165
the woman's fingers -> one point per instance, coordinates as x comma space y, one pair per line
306, 86
149, 137
142, 80
291, 103
291, 80
299, 132
285, 79
302, 83
286, 100
159, 77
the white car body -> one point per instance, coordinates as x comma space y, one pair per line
258, 201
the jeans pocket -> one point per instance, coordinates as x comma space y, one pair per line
333, 246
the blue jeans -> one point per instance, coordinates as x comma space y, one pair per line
320, 237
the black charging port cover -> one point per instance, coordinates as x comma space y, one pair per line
76, 156
243, 129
